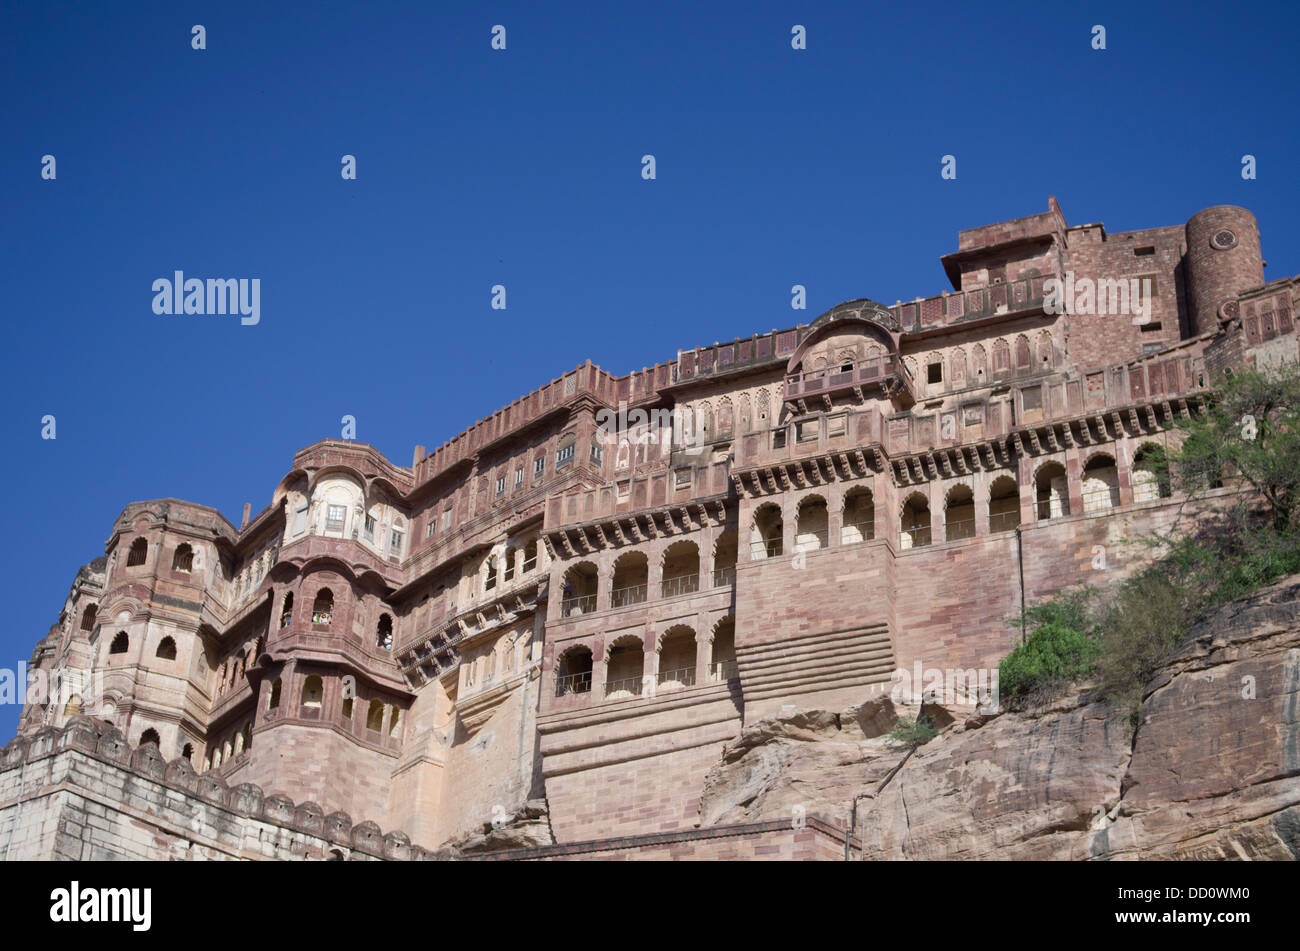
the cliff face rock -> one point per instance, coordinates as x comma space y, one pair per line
527, 826
1212, 770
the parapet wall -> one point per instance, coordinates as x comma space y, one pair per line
81, 793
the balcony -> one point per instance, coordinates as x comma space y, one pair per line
873, 372
582, 604
686, 584
573, 683
627, 596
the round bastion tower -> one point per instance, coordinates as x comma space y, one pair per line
1223, 259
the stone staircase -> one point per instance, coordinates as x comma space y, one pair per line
816, 662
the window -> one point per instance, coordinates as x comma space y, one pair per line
375, 716
136, 556
934, 373
501, 485
539, 467
564, 455
149, 736
1144, 252
322, 611
88, 618
334, 518
300, 520
519, 477
446, 517
274, 699
370, 527
166, 649
395, 543
286, 612
597, 453
120, 643
394, 723
384, 633
431, 527
183, 560
312, 691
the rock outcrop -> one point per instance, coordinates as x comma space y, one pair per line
527, 825
1211, 771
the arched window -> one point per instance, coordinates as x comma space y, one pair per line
274, 700
384, 632
766, 533
322, 610
1022, 352
625, 666
183, 560
1004, 504
579, 590
166, 649
722, 665
490, 580
631, 573
312, 692
508, 570
394, 724
573, 671
347, 709
677, 658
136, 556
1151, 479
1046, 353
530, 556
859, 517
150, 736
375, 716
915, 522
959, 513
681, 569
286, 612
88, 618
724, 558
1051, 493
1100, 484
120, 643
1001, 356
187, 752
810, 531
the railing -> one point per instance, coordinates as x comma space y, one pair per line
724, 576
856, 373
582, 604
682, 676
529, 565
768, 549
628, 594
917, 537
811, 541
723, 670
573, 683
686, 584
629, 685
856, 532
959, 528
1004, 521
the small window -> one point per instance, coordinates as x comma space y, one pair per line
150, 736
120, 643
394, 725
597, 453
166, 649
274, 700
1152, 347
539, 467
369, 527
312, 691
395, 542
300, 520
384, 633
136, 556
183, 560
519, 477
286, 612
934, 373
564, 455
446, 518
322, 610
334, 518
1144, 252
431, 527
501, 485
88, 618
347, 709
375, 716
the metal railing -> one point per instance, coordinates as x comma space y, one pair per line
768, 549
629, 685
582, 604
724, 576
685, 584
628, 594
573, 683
1004, 521
866, 531
812, 541
917, 537
723, 670
681, 676
958, 529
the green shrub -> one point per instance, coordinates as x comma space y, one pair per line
913, 730
1057, 651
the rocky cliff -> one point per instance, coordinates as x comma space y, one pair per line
1211, 771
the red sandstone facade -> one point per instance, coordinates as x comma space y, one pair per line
585, 595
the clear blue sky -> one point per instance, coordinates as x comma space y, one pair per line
522, 168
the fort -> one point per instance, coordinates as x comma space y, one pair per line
535, 613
